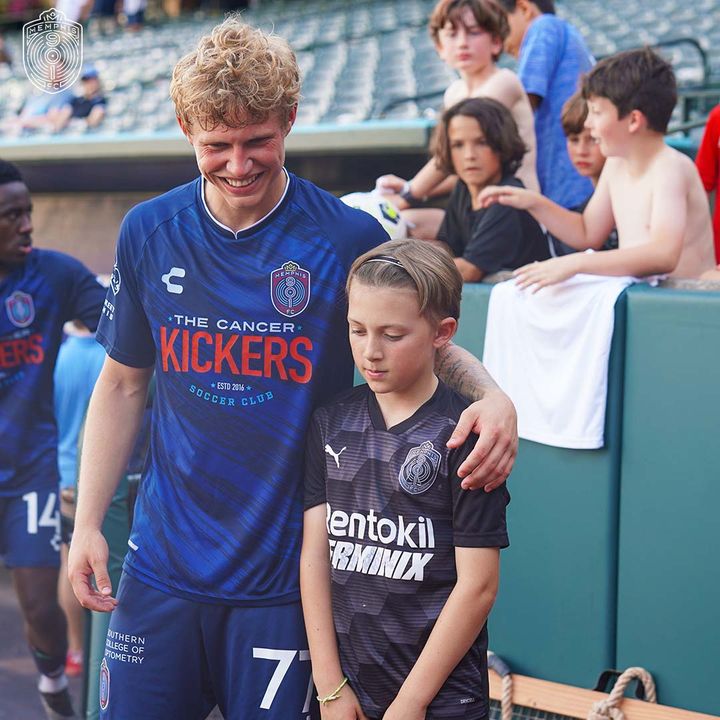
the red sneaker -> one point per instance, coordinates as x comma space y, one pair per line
74, 663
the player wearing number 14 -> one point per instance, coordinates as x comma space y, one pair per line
39, 291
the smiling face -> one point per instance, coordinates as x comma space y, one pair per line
465, 46
242, 167
393, 345
473, 160
15, 225
585, 154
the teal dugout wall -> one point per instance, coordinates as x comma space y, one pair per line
669, 562
555, 614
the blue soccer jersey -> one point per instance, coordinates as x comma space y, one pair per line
247, 333
36, 298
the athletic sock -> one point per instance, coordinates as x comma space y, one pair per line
51, 665
52, 684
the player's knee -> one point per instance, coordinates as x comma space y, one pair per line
41, 611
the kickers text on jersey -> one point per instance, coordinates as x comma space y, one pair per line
186, 346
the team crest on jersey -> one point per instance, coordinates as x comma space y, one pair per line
104, 685
20, 309
115, 280
290, 289
420, 469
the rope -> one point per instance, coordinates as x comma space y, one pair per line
506, 704
608, 709
503, 670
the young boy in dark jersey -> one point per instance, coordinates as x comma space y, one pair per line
395, 608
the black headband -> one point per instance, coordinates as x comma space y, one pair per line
386, 259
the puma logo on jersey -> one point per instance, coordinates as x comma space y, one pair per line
336, 456
172, 287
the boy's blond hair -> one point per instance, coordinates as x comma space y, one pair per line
238, 75
419, 266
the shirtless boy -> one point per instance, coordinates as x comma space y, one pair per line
649, 191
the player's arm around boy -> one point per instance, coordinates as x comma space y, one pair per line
492, 417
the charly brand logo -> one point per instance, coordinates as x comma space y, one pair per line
20, 309
420, 469
52, 51
167, 278
290, 289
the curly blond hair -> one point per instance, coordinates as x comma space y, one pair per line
237, 75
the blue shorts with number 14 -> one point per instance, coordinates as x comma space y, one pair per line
169, 657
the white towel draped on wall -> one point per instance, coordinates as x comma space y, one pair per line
549, 352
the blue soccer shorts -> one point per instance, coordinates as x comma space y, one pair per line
30, 529
170, 657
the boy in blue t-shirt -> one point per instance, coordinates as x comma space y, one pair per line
399, 566
552, 57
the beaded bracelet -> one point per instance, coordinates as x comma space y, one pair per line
334, 695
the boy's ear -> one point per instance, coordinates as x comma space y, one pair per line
637, 121
528, 8
445, 330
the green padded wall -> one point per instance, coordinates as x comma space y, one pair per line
555, 614
669, 561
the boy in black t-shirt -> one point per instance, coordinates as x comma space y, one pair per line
399, 565
478, 140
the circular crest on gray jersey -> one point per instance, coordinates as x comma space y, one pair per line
420, 469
